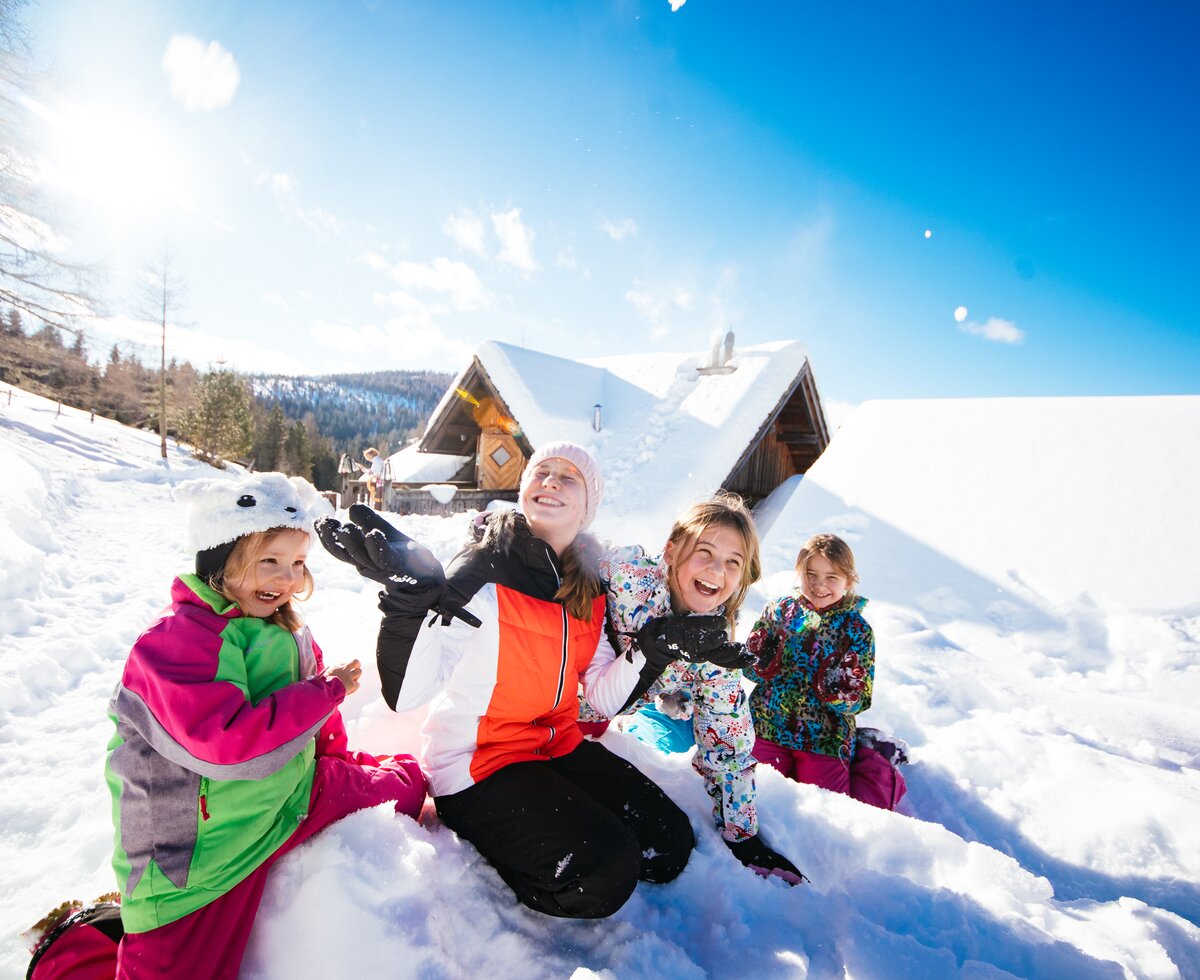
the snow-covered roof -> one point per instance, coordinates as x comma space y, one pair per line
410, 466
668, 434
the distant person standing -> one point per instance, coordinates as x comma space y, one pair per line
374, 469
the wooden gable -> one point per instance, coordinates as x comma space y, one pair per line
787, 443
478, 421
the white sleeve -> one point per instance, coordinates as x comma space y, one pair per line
439, 649
609, 679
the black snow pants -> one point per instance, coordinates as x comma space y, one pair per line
572, 836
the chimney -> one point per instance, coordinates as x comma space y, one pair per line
720, 356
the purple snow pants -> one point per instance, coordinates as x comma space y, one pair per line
211, 941
869, 778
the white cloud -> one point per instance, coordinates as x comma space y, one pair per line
201, 349
203, 77
348, 339
645, 304
411, 340
409, 306
466, 230
617, 230
283, 186
656, 308
676, 4
995, 329
274, 299
457, 281
321, 220
516, 240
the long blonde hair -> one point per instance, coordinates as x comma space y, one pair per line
240, 563
723, 509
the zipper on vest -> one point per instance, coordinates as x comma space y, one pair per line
566, 652
204, 797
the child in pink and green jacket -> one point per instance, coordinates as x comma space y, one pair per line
229, 748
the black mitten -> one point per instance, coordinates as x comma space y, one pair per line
762, 860
665, 639
694, 639
413, 579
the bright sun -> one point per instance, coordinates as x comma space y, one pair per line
112, 160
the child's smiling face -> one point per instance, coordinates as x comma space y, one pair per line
275, 577
706, 578
554, 502
822, 584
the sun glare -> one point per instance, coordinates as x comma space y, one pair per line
113, 160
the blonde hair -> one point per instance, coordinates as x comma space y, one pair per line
835, 551
723, 509
240, 564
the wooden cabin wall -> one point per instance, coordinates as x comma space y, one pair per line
492, 476
768, 466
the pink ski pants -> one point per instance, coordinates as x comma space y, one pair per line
210, 942
869, 778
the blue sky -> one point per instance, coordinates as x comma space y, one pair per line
383, 185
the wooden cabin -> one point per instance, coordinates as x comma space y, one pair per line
510, 399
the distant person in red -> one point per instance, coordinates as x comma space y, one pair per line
815, 671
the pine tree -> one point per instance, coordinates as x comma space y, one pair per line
298, 451
220, 426
268, 447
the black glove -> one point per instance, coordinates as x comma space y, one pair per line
413, 579
695, 639
760, 859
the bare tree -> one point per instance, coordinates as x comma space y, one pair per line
167, 290
33, 278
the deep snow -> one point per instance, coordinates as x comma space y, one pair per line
1033, 576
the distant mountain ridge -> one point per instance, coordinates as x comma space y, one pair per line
375, 408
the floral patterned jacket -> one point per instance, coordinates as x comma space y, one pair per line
815, 673
710, 695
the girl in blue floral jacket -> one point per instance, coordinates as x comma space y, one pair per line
815, 671
709, 562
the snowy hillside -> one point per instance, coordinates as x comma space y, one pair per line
1032, 570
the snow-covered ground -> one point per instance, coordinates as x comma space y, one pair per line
1032, 566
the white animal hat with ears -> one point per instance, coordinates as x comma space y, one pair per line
221, 511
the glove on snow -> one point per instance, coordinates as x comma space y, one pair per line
695, 639
894, 749
764, 861
413, 579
